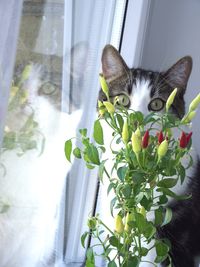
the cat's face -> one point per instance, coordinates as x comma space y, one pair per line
144, 90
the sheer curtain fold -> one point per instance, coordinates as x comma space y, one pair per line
89, 27
10, 14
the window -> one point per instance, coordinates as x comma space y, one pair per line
53, 91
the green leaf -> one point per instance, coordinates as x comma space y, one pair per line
161, 248
112, 264
139, 197
77, 152
90, 260
121, 173
83, 238
167, 183
92, 154
140, 222
160, 259
138, 177
114, 241
149, 118
126, 190
144, 251
103, 149
89, 166
112, 204
110, 187
132, 262
139, 117
170, 193
162, 200
149, 230
146, 202
168, 216
83, 132
98, 133
120, 121
68, 149
158, 216
182, 173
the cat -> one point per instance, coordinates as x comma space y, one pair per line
145, 91
32, 184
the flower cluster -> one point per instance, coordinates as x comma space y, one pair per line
146, 166
192, 110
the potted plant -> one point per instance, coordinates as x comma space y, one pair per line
146, 167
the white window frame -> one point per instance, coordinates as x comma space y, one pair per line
135, 31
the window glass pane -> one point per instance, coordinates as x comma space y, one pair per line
33, 163
54, 90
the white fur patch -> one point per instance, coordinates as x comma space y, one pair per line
140, 96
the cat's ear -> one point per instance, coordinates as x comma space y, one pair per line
113, 65
179, 73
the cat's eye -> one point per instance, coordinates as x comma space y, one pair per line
156, 104
123, 100
48, 88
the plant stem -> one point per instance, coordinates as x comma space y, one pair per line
104, 248
150, 263
107, 228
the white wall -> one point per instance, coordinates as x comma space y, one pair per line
173, 31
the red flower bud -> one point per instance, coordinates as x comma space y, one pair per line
160, 137
145, 140
189, 137
184, 139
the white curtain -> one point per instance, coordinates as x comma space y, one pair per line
90, 25
45, 201
10, 13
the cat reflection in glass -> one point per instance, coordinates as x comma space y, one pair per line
146, 91
32, 179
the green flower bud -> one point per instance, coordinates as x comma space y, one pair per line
138, 133
119, 226
92, 223
101, 108
188, 117
129, 217
136, 142
170, 99
125, 134
194, 104
100, 104
109, 106
104, 85
162, 149
191, 115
